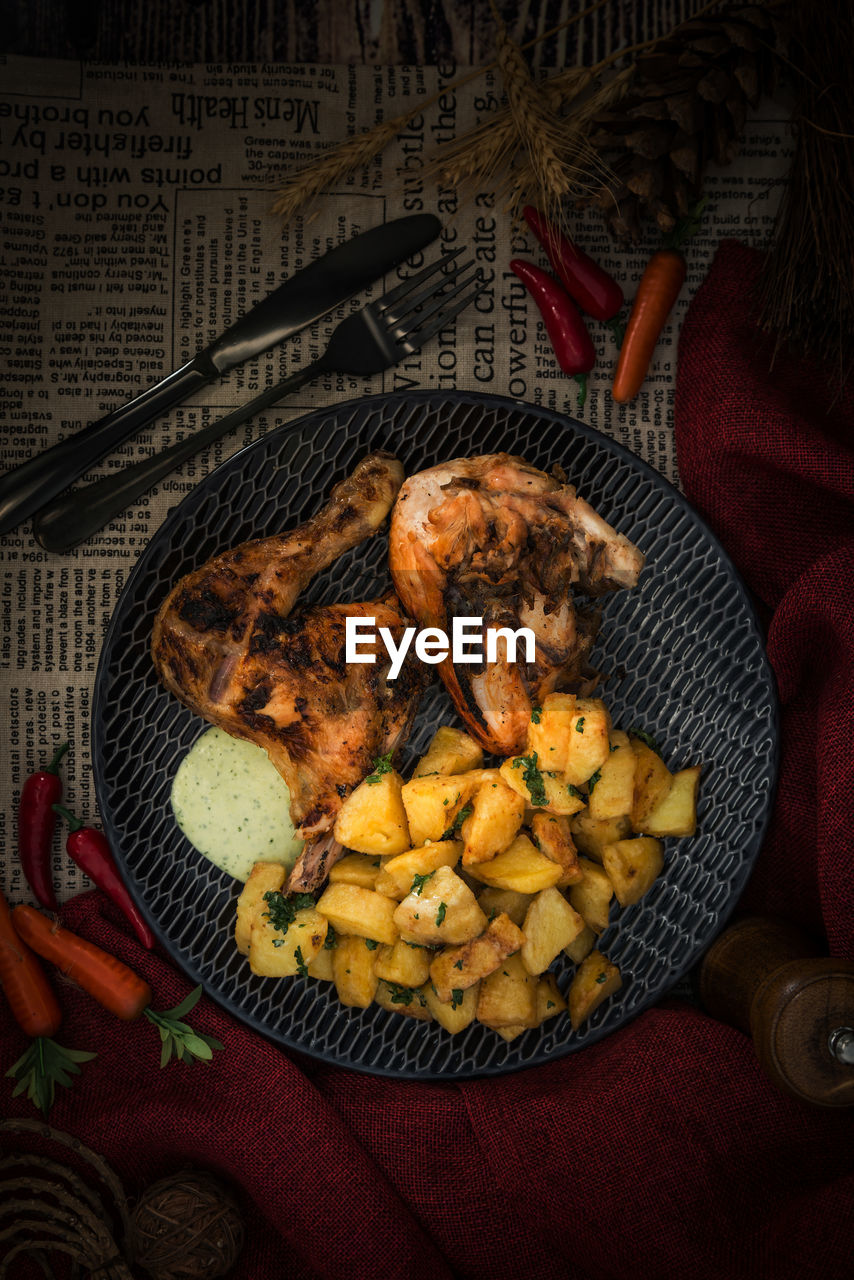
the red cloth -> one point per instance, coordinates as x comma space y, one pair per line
661, 1152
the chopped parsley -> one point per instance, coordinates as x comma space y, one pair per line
603, 977
382, 765
456, 997
493, 913
536, 713
302, 967
550, 1004
459, 963
418, 883
592, 780
400, 995
650, 741
532, 777
573, 791
579, 725
331, 939
282, 911
440, 914
371, 944
458, 821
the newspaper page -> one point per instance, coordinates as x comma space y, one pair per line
136, 225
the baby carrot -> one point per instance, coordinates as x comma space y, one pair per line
657, 292
24, 982
112, 983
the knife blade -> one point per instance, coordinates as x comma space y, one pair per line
303, 298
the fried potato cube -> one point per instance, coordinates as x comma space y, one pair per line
439, 909
496, 902
433, 803
450, 751
592, 834
591, 897
458, 968
676, 814
613, 793
410, 1001
320, 966
550, 925
356, 868
395, 878
510, 1033
632, 865
594, 980
550, 1001
403, 964
553, 837
265, 877
373, 819
353, 972
351, 909
274, 954
541, 790
652, 783
497, 813
521, 867
581, 946
508, 996
549, 730
458, 1013
588, 745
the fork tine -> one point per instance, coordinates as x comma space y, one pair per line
412, 318
401, 290
419, 336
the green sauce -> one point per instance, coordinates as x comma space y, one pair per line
232, 805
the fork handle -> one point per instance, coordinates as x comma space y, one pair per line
78, 513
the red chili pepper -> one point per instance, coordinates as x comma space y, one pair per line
89, 849
593, 289
36, 825
564, 325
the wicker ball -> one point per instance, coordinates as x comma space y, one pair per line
186, 1227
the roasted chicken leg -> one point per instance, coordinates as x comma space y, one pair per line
228, 642
491, 537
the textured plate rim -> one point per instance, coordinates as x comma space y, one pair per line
293, 428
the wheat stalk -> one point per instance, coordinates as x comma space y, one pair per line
334, 165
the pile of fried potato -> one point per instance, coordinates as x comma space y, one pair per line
465, 884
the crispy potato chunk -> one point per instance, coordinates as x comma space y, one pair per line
550, 1002
541, 790
403, 964
362, 912
592, 834
450, 751
495, 902
548, 733
458, 968
353, 972
433, 803
356, 868
458, 1013
277, 954
652, 782
676, 814
613, 794
591, 897
581, 946
588, 744
439, 909
410, 1001
497, 813
508, 996
372, 819
550, 925
521, 867
553, 837
632, 866
510, 1033
265, 877
395, 879
594, 980
320, 966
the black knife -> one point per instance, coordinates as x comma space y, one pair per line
303, 298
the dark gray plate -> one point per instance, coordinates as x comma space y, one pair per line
693, 670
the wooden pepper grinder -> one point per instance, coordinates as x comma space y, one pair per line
764, 977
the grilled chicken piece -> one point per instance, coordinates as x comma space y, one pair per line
228, 642
492, 537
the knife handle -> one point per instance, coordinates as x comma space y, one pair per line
79, 513
28, 487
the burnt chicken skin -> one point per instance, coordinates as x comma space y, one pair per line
492, 537
230, 644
